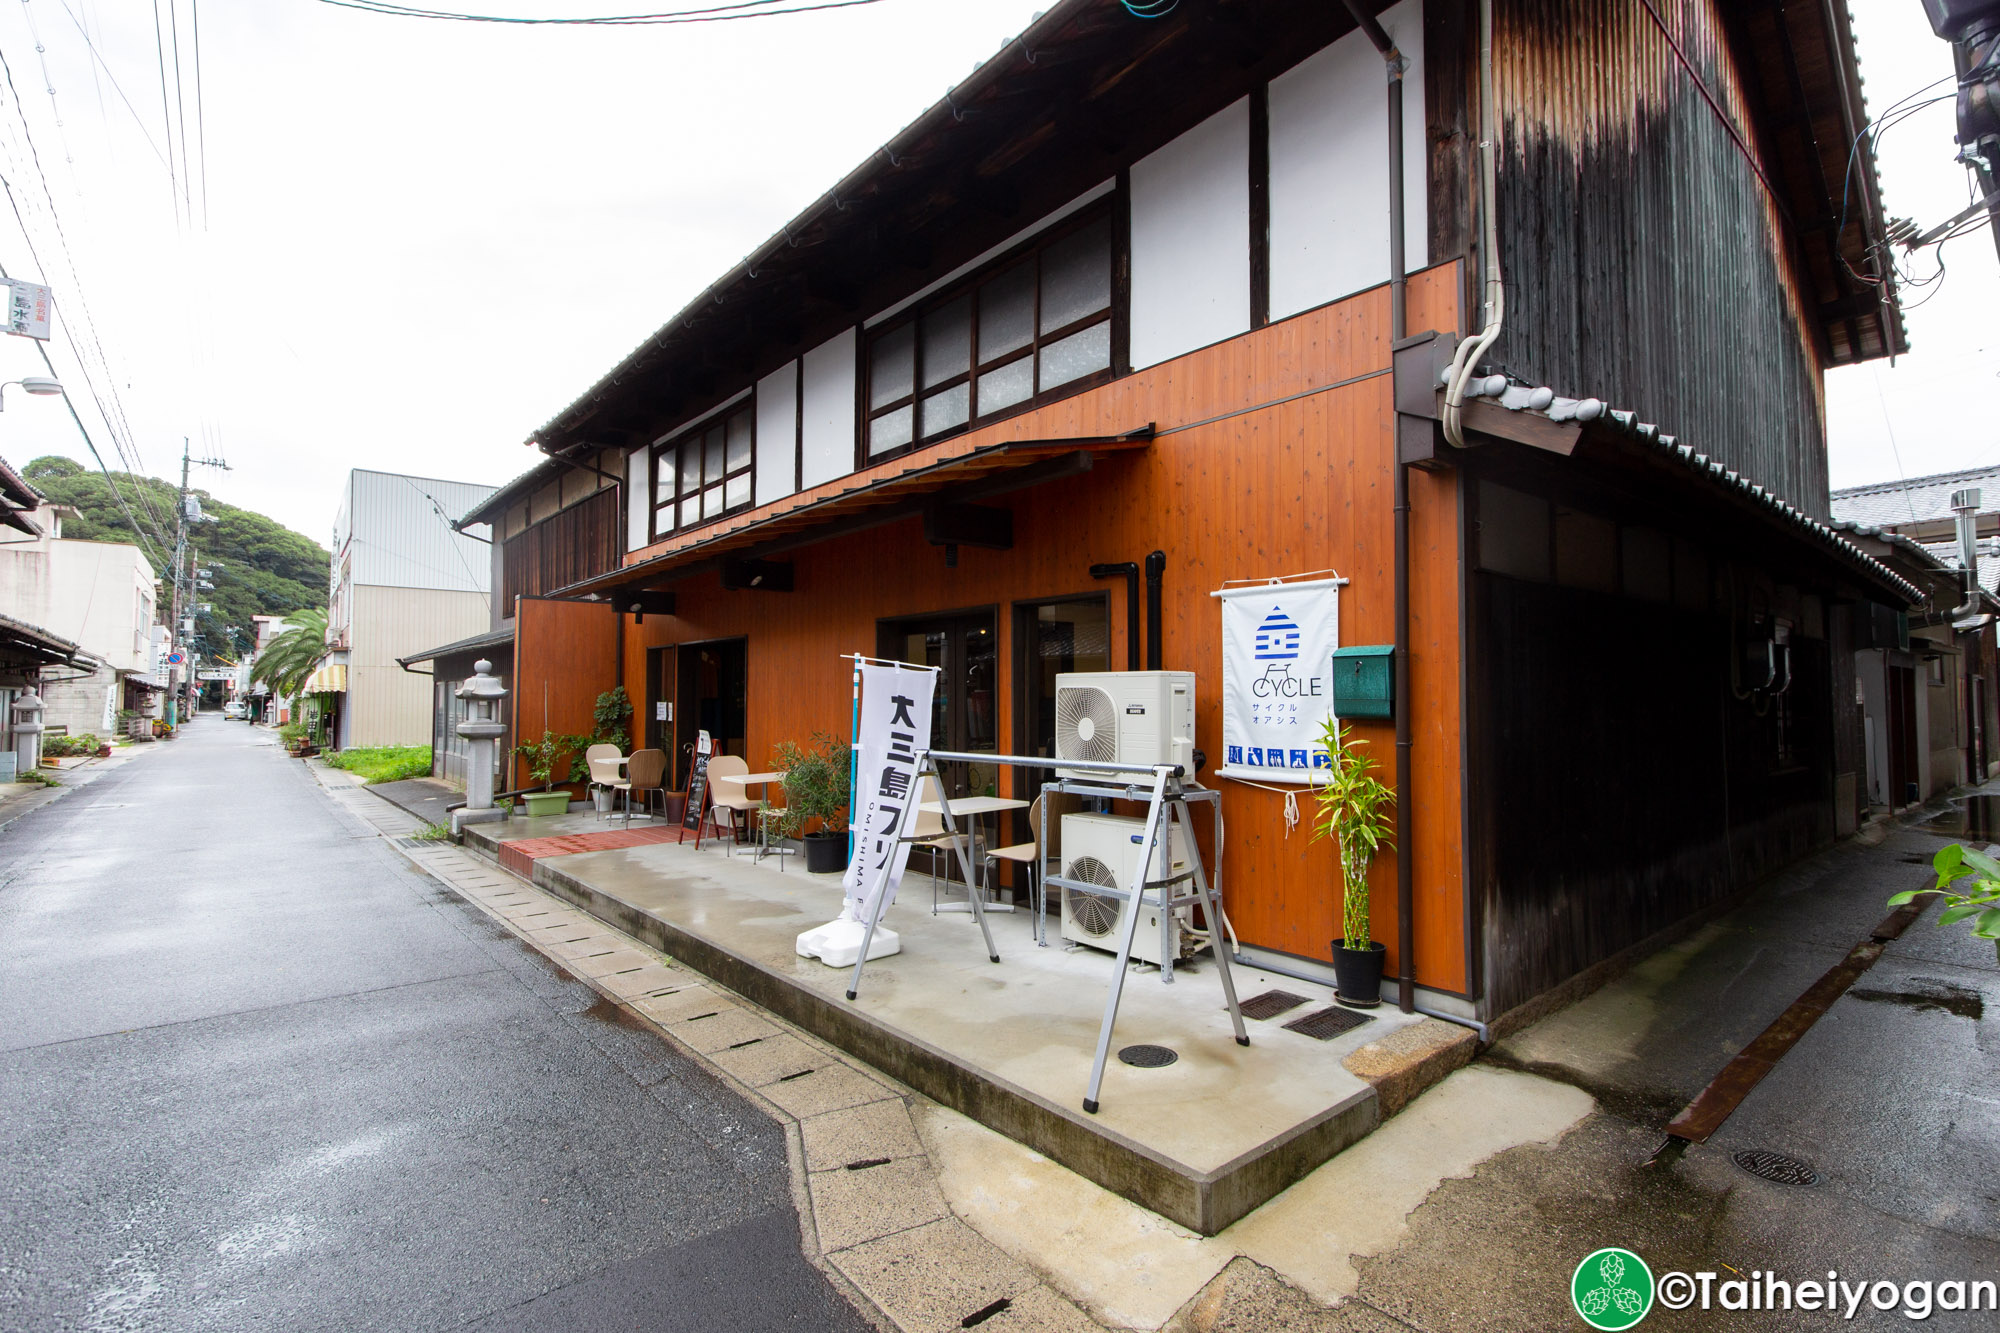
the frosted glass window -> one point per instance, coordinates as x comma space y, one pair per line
1012, 383
1007, 312
705, 473
947, 342
947, 408
737, 452
1078, 355
891, 430
1076, 277
892, 366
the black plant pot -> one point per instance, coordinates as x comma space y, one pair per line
1358, 973
826, 853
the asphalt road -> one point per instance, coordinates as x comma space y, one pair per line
256, 1073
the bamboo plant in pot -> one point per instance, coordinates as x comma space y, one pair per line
1357, 811
815, 791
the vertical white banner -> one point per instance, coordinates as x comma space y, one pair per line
1277, 678
895, 728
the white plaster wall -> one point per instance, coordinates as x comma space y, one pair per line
101, 596
638, 500
1330, 172
828, 426
1191, 239
778, 433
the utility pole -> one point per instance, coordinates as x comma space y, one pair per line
186, 511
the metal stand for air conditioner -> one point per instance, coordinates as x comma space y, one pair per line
1166, 808
961, 844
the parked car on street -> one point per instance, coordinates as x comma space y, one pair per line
234, 709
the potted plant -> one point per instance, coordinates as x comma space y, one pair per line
544, 757
815, 790
1356, 810
612, 719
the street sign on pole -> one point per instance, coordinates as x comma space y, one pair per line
30, 308
215, 673
175, 659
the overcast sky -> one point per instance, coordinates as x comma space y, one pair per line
423, 239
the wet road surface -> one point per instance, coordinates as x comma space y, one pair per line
257, 1073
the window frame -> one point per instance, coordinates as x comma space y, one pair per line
667, 451
1113, 315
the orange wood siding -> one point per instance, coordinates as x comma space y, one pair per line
1282, 487
566, 654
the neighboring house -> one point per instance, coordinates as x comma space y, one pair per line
1128, 289
556, 524
402, 578
99, 595
1930, 680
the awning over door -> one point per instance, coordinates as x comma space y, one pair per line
329, 679
899, 488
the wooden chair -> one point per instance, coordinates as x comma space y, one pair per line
1022, 853
727, 792
604, 759
929, 833
645, 775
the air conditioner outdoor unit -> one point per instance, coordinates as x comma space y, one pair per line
1125, 717
1105, 849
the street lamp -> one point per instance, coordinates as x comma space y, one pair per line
39, 385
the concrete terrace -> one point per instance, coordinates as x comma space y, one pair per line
1202, 1142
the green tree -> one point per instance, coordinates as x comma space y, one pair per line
293, 655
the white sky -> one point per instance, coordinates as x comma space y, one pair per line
424, 239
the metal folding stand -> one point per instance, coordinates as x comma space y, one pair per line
961, 843
1166, 809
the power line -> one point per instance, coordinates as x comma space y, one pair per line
116, 87
746, 9
166, 116
200, 115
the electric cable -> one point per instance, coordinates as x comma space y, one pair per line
744, 9
166, 116
144, 131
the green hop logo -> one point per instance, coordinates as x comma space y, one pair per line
1612, 1289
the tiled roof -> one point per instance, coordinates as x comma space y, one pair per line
1916, 499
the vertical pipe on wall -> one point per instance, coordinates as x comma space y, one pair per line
1156, 568
1406, 974
1130, 570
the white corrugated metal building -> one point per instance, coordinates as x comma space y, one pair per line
402, 579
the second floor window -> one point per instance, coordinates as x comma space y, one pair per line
703, 474
1036, 324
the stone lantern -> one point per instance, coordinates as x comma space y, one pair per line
28, 731
483, 729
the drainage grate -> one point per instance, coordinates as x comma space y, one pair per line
1270, 1004
1327, 1023
1149, 1057
1784, 1169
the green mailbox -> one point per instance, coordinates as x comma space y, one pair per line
1364, 681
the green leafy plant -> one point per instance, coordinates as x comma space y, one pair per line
293, 733
815, 784
1356, 809
384, 763
60, 747
36, 775
1976, 897
612, 719
432, 833
293, 655
550, 754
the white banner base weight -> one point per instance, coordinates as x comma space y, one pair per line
838, 943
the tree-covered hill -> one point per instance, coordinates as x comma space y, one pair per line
260, 567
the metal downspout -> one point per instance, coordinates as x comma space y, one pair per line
1406, 975
1156, 568
1130, 570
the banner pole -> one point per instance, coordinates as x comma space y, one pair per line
853, 755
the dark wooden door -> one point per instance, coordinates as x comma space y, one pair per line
965, 708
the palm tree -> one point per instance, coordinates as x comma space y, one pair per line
291, 657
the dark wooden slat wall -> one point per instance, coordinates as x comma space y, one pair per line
1646, 264
571, 545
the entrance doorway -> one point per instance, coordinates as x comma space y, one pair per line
1050, 638
964, 712
710, 688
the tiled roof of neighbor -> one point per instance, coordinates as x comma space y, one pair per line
1885, 503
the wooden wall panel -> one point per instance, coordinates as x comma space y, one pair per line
1295, 480
565, 655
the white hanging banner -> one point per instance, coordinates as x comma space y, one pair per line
895, 728
1277, 678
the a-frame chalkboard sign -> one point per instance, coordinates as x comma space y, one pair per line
697, 795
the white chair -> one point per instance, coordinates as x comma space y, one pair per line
727, 792
604, 760
1021, 853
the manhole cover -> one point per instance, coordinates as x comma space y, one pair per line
1328, 1023
1149, 1057
1784, 1169
1271, 1003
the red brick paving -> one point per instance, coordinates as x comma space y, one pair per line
521, 854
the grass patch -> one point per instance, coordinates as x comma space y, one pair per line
432, 833
384, 763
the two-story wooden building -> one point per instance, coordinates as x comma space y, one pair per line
1130, 289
